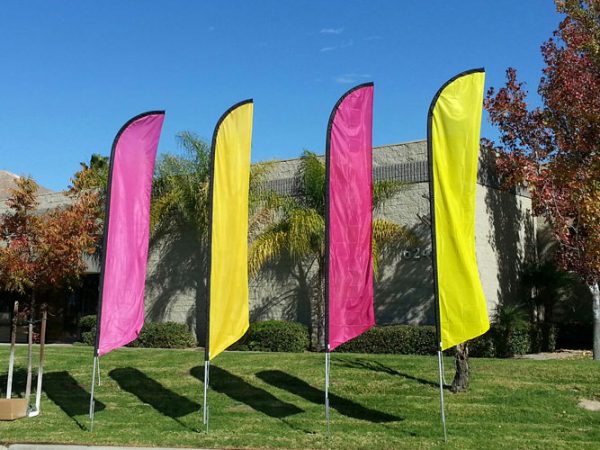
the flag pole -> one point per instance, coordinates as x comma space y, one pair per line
96, 359
211, 187
326, 268
436, 292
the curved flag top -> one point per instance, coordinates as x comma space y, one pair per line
228, 311
349, 287
127, 227
454, 123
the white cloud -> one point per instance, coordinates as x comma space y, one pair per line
349, 78
331, 30
346, 44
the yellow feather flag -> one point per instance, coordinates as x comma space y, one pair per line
228, 312
454, 124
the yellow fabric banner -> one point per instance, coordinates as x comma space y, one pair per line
228, 303
454, 126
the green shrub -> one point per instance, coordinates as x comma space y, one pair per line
153, 335
483, 346
164, 335
89, 337
275, 336
87, 323
394, 339
543, 337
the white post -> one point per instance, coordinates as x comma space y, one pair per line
38, 391
29, 361
11, 359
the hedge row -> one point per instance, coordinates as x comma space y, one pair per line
275, 336
421, 340
153, 335
282, 336
394, 339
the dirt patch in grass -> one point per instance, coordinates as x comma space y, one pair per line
559, 354
590, 405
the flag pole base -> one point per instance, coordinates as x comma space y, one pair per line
441, 377
205, 411
327, 374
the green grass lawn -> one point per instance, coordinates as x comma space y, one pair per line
259, 400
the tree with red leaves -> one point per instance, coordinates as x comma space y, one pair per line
45, 250
555, 149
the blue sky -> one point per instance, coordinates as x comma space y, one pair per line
74, 71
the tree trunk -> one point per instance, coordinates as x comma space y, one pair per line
461, 360
596, 310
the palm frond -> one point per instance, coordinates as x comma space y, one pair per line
384, 190
307, 230
388, 233
266, 247
312, 173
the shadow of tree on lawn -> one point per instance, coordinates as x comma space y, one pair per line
344, 406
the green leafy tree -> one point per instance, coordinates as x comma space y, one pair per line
297, 229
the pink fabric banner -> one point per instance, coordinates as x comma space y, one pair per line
128, 226
350, 264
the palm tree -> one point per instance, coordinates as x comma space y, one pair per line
180, 189
297, 229
180, 213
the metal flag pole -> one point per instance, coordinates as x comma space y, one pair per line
442, 409
211, 187
92, 403
436, 290
327, 374
98, 366
11, 359
205, 397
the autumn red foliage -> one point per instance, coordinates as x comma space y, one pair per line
42, 250
555, 149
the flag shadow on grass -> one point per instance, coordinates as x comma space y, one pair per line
151, 392
378, 367
344, 406
239, 390
68, 394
